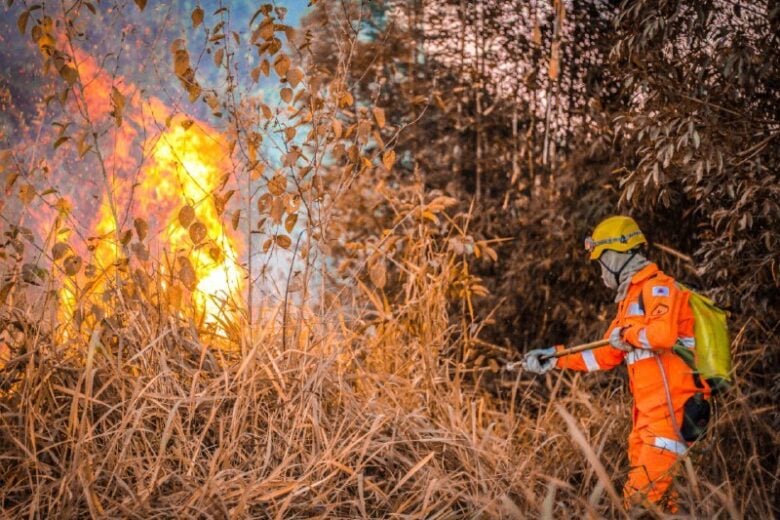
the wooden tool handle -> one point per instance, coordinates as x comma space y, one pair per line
578, 348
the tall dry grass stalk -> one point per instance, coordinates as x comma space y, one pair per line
373, 410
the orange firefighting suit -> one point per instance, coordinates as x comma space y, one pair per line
654, 316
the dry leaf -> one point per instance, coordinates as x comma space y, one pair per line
187, 273
388, 159
283, 241
277, 210
255, 74
257, 171
378, 273
197, 17
198, 232
219, 56
379, 115
59, 250
264, 202
282, 65
59, 142
337, 128
290, 221
141, 251
265, 31
69, 74
186, 216
292, 202
21, 22
295, 76
346, 100
26, 193
72, 265
277, 185
364, 131
118, 103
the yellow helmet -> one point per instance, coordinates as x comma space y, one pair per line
616, 233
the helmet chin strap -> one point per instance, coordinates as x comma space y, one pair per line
617, 273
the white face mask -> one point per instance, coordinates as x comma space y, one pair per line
618, 268
611, 262
607, 277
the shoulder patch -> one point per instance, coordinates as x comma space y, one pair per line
660, 290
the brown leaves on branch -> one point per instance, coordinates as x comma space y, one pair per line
118, 105
277, 185
183, 70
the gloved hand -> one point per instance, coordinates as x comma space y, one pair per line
616, 340
533, 362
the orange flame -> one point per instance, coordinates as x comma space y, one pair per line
184, 165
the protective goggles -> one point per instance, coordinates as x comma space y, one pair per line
591, 244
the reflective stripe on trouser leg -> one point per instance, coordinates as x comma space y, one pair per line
670, 445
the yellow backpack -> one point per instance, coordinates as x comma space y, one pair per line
712, 356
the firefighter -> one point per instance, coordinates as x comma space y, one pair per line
653, 316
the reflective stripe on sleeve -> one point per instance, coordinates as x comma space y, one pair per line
643, 339
635, 310
638, 355
688, 341
670, 445
590, 361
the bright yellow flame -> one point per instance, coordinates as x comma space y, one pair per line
186, 167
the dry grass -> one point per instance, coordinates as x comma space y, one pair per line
367, 413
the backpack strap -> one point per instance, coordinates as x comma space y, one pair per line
680, 350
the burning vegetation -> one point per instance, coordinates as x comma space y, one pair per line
258, 265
